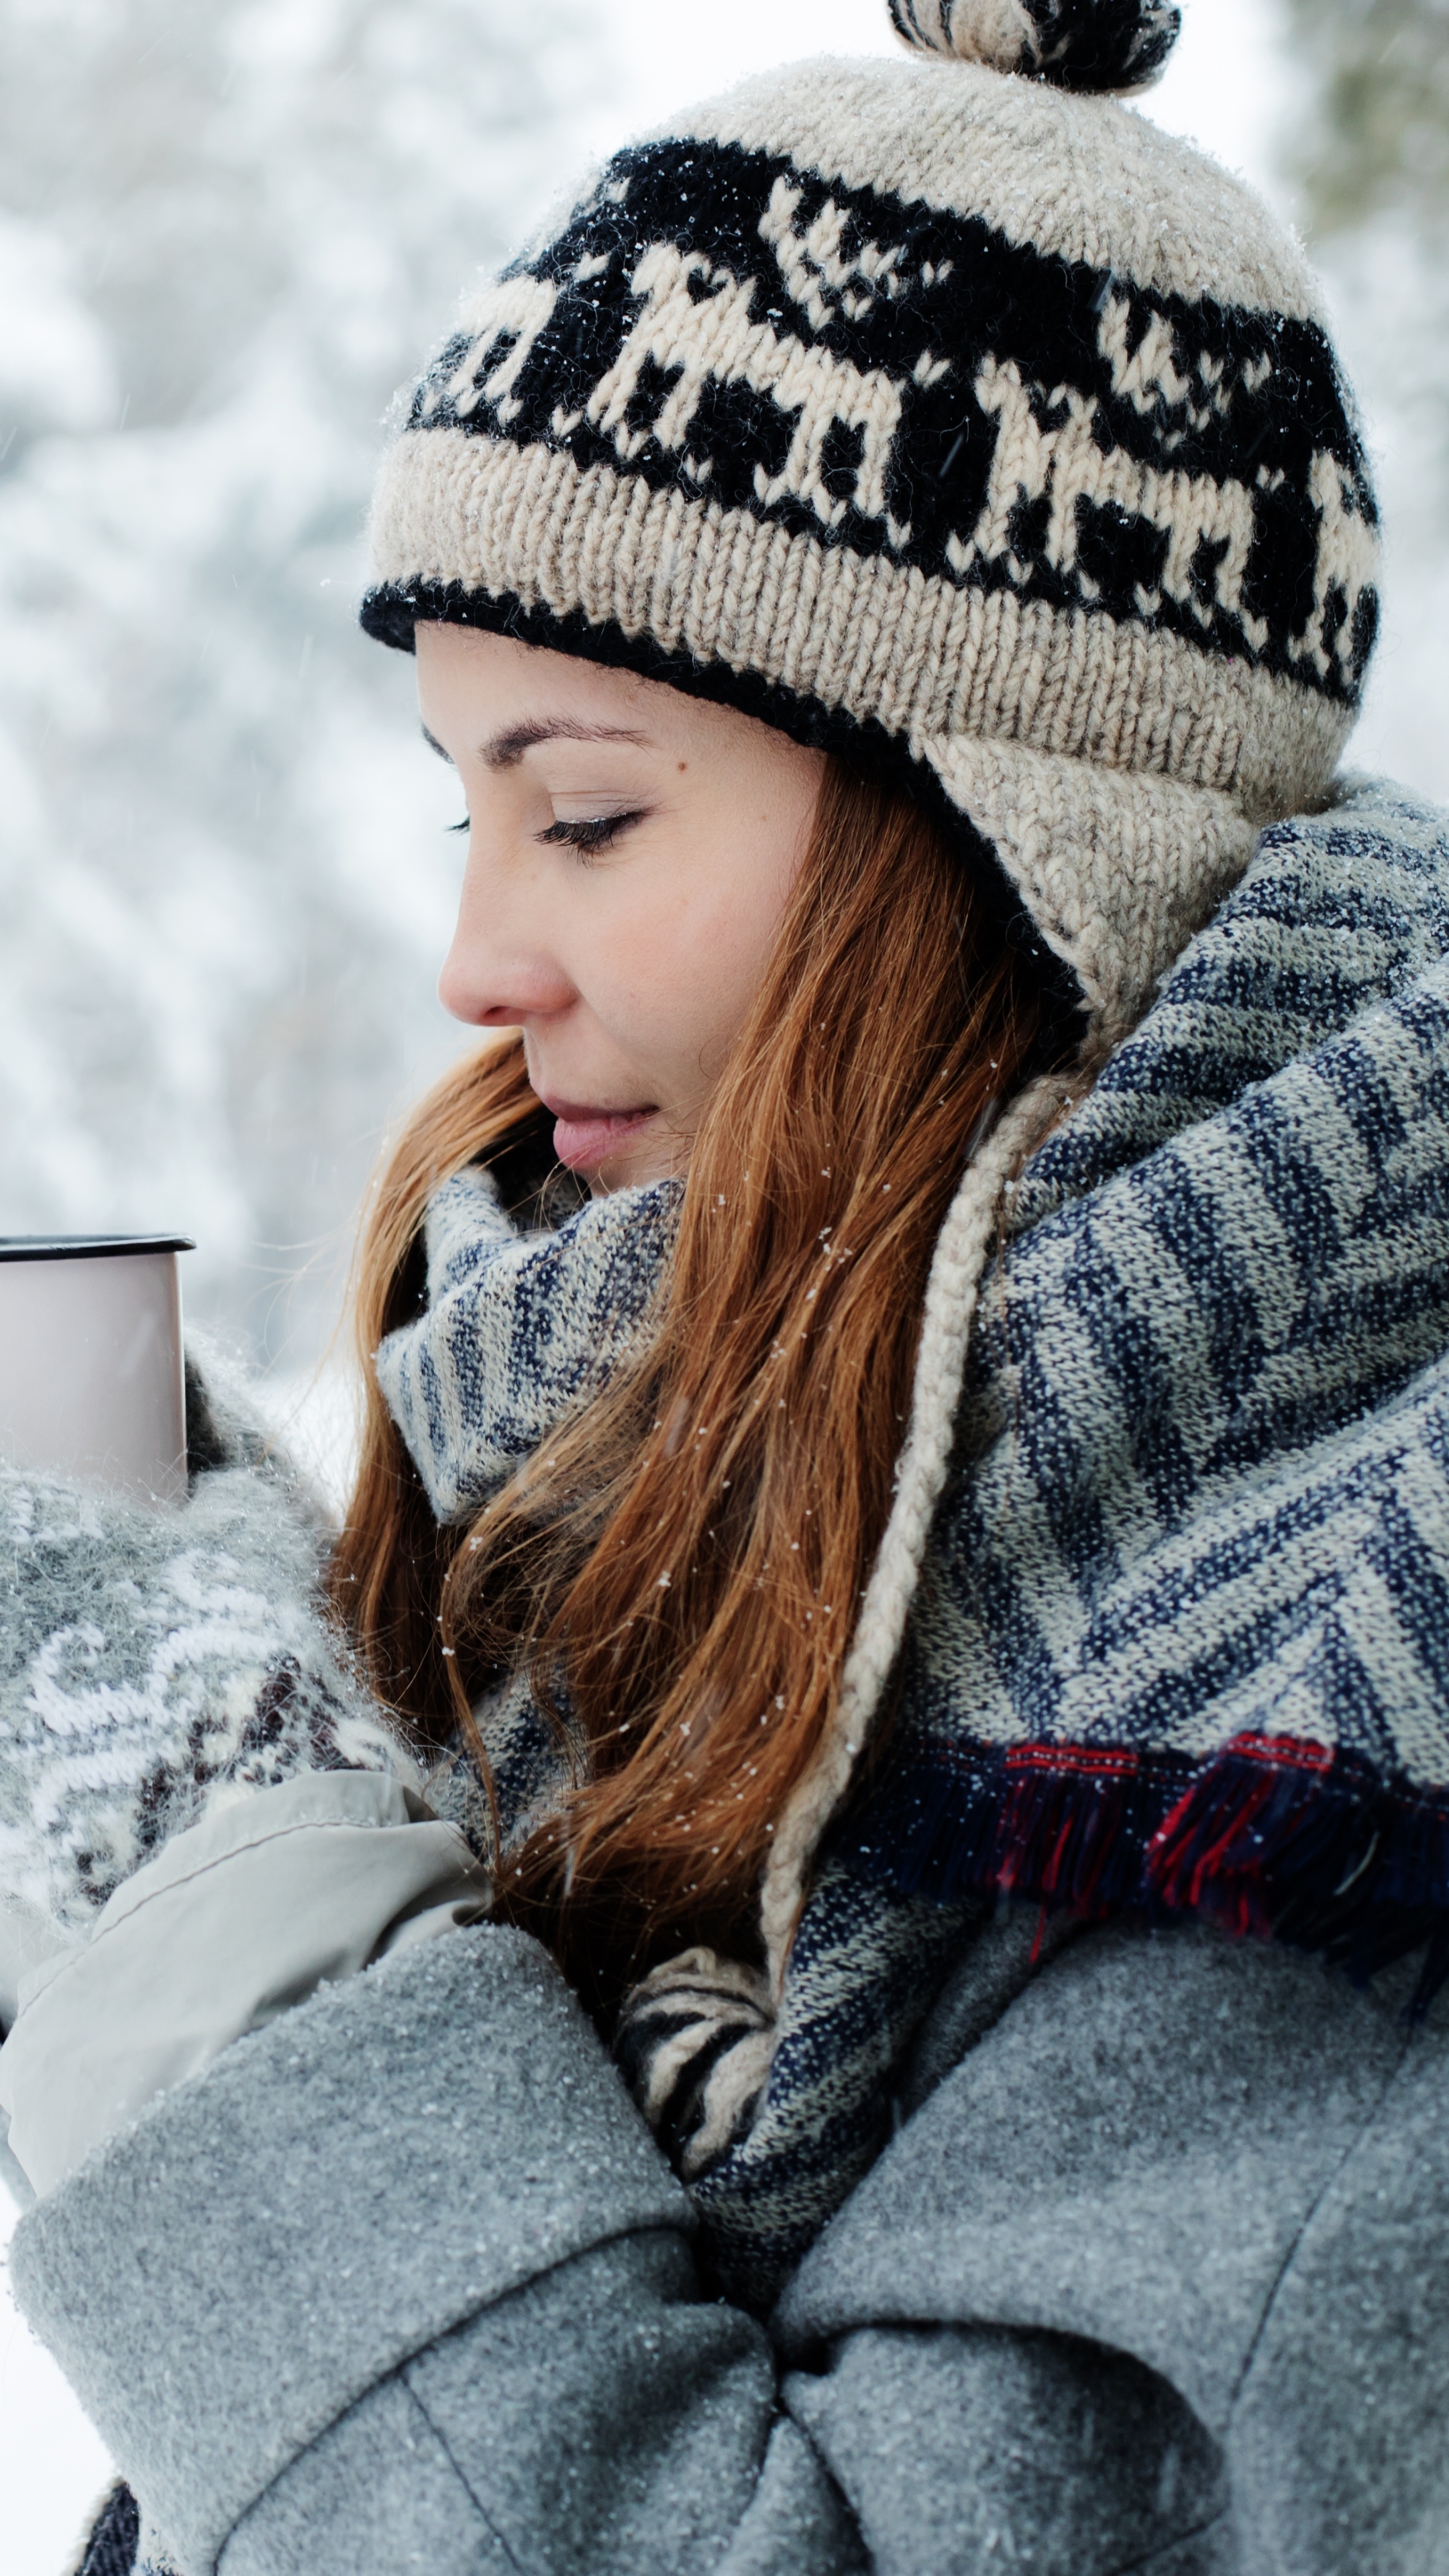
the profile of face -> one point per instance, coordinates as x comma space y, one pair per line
630, 855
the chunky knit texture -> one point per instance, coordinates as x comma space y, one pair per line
965, 424
153, 1664
1076, 44
1179, 1642
1187, 1630
520, 1329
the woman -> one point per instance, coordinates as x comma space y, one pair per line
896, 1586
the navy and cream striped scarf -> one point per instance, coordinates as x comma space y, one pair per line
1181, 1640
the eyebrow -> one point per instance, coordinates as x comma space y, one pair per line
505, 750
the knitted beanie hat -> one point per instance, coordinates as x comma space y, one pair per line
948, 415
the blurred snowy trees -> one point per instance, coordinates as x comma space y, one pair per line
227, 228
226, 234
1369, 152
1378, 137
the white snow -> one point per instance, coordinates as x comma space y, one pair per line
53, 2465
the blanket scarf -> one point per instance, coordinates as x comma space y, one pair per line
1180, 1640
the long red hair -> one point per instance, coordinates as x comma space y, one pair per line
681, 1573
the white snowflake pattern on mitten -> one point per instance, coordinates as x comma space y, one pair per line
155, 1664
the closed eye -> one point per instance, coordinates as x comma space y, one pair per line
591, 832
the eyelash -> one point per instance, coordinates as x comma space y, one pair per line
594, 832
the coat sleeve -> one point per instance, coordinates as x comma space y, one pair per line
401, 2280
1153, 2281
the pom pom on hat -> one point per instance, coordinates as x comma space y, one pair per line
1075, 44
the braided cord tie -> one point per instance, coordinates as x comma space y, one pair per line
697, 2037
950, 1307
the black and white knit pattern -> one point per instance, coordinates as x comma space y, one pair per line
694, 2044
967, 425
1114, 45
153, 1663
1001, 420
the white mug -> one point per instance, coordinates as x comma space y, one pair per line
91, 1372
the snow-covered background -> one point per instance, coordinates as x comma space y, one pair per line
226, 234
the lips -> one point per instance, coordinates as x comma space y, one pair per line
584, 1137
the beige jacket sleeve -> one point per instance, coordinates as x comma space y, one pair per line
233, 1921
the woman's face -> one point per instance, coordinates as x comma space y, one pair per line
630, 855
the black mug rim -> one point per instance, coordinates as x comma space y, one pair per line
87, 1247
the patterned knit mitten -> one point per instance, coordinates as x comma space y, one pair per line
156, 1663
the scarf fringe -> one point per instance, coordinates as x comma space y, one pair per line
1275, 1839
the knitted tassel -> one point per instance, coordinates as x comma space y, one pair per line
694, 2044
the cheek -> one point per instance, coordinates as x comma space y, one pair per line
722, 947
711, 950
671, 970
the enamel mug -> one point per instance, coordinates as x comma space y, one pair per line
91, 1378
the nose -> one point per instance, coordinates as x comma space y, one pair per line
499, 972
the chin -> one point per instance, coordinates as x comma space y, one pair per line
626, 1172
656, 1157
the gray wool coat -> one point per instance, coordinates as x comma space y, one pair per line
1150, 2278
